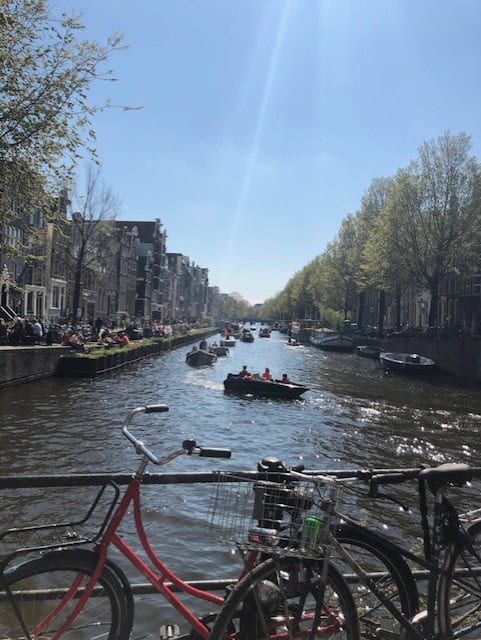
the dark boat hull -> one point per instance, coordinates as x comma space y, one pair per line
368, 352
411, 363
199, 358
258, 387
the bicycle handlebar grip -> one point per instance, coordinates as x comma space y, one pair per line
155, 408
208, 452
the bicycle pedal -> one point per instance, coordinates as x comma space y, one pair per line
169, 631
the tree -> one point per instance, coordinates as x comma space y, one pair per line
92, 229
340, 267
433, 212
46, 72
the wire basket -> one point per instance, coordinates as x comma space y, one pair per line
287, 518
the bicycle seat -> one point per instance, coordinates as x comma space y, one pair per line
454, 473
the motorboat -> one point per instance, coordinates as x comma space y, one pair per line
264, 333
228, 341
200, 357
366, 351
292, 342
406, 362
256, 386
218, 349
330, 340
247, 336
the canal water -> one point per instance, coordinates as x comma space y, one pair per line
353, 416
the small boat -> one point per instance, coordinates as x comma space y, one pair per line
292, 342
256, 386
366, 351
228, 342
406, 362
247, 336
264, 333
218, 349
200, 357
330, 340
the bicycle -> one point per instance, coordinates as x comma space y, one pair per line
387, 568
70, 592
87, 594
453, 598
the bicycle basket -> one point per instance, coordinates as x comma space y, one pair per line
284, 518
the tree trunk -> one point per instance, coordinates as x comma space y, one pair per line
398, 310
360, 309
382, 310
433, 309
77, 289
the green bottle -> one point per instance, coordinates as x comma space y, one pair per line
311, 532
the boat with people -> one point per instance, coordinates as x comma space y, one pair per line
264, 332
331, 340
406, 363
199, 357
228, 341
367, 351
256, 386
247, 336
292, 342
218, 349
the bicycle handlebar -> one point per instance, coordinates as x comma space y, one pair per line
189, 447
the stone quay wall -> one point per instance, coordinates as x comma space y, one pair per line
25, 364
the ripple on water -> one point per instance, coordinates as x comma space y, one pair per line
353, 416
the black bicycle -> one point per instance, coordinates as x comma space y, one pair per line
452, 560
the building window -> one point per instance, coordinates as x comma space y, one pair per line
476, 285
56, 297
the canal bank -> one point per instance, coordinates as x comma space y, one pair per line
26, 364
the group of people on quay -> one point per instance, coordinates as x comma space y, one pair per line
266, 375
32, 331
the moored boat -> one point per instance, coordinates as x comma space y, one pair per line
256, 386
199, 357
330, 340
366, 351
406, 362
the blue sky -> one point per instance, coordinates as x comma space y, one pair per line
264, 121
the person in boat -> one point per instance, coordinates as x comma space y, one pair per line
267, 374
285, 379
244, 373
203, 345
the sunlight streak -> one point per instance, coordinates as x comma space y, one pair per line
254, 150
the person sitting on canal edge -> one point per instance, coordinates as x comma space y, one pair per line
267, 374
244, 373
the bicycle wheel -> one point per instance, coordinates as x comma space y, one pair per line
280, 598
39, 587
460, 588
391, 575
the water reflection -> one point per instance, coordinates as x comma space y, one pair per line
353, 416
